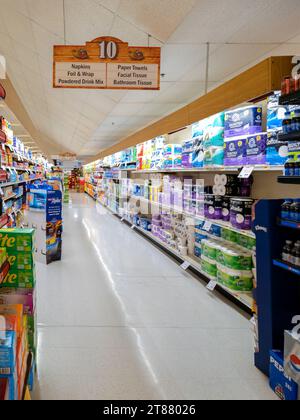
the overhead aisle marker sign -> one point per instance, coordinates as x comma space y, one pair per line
106, 63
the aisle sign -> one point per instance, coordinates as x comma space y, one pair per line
106, 63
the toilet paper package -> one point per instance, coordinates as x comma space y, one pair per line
256, 149
276, 151
243, 121
235, 151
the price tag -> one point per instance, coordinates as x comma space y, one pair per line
122, 220
207, 226
246, 172
185, 265
133, 227
212, 285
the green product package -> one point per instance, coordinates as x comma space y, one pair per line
21, 261
209, 266
17, 240
236, 260
209, 249
229, 235
19, 279
246, 242
241, 281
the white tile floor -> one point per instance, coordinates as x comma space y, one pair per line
118, 319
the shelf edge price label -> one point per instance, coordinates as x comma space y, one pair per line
122, 220
207, 226
246, 172
133, 227
185, 265
212, 285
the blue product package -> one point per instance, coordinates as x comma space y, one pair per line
243, 121
283, 386
256, 149
213, 132
235, 151
217, 156
8, 353
276, 151
197, 251
197, 129
216, 230
198, 153
294, 150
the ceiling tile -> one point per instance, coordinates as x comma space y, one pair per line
148, 15
86, 21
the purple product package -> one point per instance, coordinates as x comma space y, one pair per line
241, 213
256, 149
235, 152
19, 296
243, 121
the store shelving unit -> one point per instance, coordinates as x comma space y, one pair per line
278, 286
287, 267
294, 136
214, 169
289, 224
291, 99
289, 180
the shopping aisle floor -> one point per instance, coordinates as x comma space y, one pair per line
118, 319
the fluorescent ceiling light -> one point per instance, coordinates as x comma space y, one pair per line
24, 136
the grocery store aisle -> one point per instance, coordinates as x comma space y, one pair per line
118, 319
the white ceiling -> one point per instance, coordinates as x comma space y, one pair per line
86, 122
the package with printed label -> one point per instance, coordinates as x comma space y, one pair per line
17, 311
25, 297
292, 356
243, 121
21, 261
17, 240
256, 149
283, 386
19, 279
8, 353
235, 151
276, 150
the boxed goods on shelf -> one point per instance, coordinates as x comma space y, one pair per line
243, 121
292, 355
282, 384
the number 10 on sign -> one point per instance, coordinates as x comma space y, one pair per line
108, 50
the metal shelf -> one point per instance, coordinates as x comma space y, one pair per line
287, 267
289, 179
215, 169
294, 136
289, 224
291, 99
